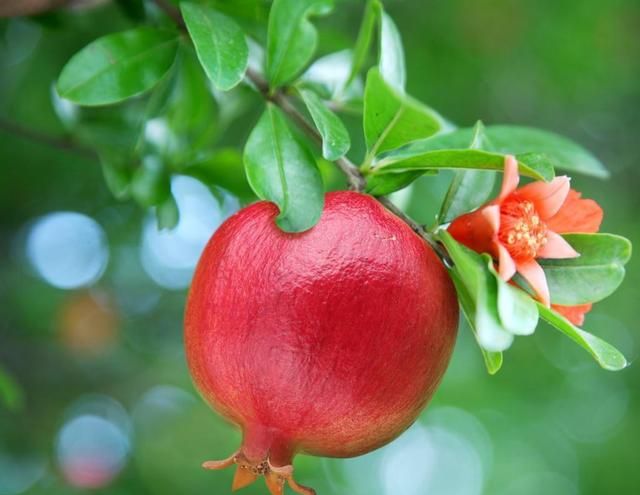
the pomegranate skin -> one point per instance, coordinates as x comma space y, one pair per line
328, 342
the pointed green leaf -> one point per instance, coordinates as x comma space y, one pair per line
539, 150
446, 151
365, 35
469, 188
392, 119
607, 356
150, 185
562, 152
517, 309
118, 66
281, 170
220, 44
492, 360
117, 174
383, 184
594, 275
291, 38
335, 138
392, 65
474, 274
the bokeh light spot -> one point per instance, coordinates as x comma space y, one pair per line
93, 444
67, 249
170, 256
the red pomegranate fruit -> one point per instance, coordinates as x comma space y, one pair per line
327, 342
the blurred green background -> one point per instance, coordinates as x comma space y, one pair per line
94, 390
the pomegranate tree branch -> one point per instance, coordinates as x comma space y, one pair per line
61, 143
172, 11
14, 8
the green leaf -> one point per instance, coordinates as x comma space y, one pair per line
562, 152
167, 213
607, 356
450, 151
223, 168
291, 38
539, 150
392, 119
482, 286
11, 393
335, 138
150, 185
220, 44
365, 36
492, 360
469, 188
592, 276
383, 184
160, 96
517, 309
118, 66
191, 115
392, 65
117, 174
281, 170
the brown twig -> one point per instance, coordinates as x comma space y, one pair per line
172, 11
61, 143
14, 8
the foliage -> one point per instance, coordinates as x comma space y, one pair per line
152, 101
404, 139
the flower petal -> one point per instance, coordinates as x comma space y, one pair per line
577, 215
478, 229
547, 197
535, 277
506, 265
491, 214
556, 248
510, 178
575, 314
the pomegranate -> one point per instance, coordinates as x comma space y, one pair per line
327, 342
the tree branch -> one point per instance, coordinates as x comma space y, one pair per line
14, 8
17, 8
61, 143
172, 11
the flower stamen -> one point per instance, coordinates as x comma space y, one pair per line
521, 230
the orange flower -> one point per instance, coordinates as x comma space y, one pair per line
524, 224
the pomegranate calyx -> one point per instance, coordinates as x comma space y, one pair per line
247, 472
